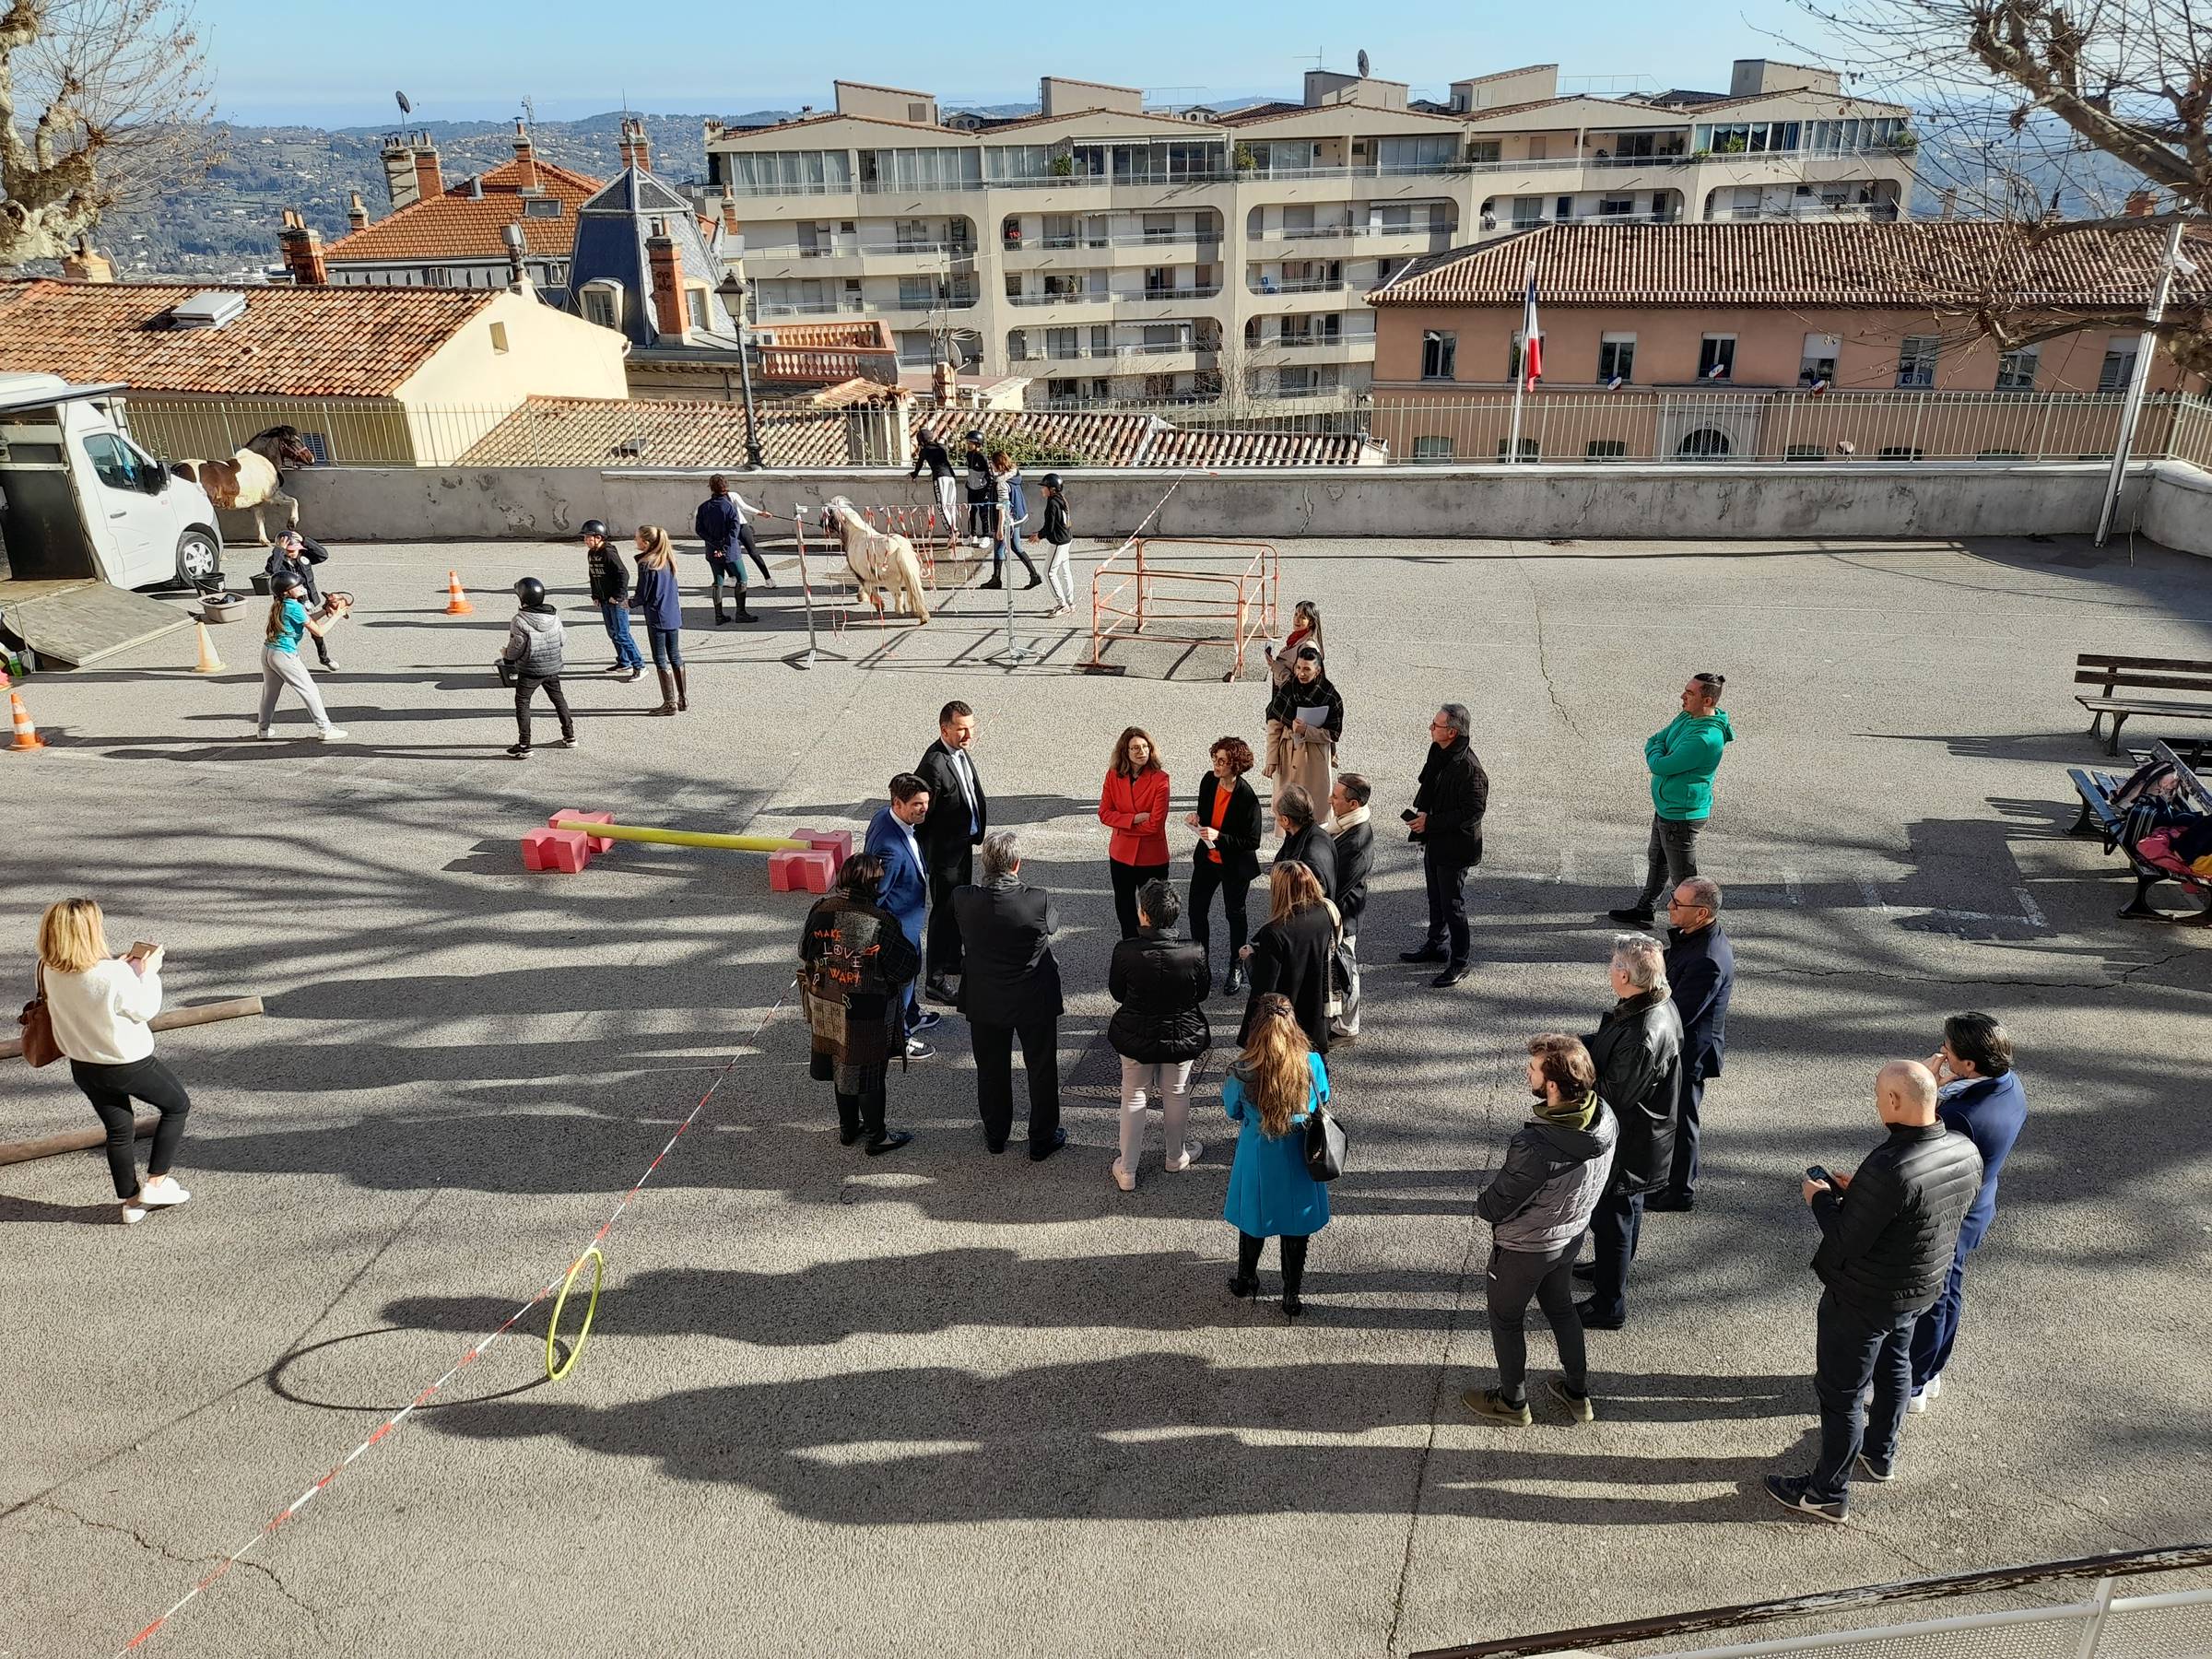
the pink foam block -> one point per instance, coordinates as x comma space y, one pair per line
564, 849
791, 871
600, 843
837, 843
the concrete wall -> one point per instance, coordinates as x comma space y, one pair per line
2177, 508
1630, 502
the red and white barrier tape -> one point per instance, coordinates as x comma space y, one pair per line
474, 1354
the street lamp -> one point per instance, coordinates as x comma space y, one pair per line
745, 373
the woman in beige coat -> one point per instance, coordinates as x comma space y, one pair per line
1298, 750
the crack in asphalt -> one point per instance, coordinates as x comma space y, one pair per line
166, 1554
1543, 649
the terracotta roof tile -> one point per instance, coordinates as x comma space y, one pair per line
291, 342
457, 225
1959, 264
1102, 439
592, 432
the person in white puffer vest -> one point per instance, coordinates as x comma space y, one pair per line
533, 654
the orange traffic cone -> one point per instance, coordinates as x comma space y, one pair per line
209, 663
456, 602
27, 735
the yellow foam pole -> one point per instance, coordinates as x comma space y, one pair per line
686, 838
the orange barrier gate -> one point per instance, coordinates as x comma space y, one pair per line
1135, 596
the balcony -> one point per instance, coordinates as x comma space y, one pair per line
932, 302
1078, 180
1269, 288
1034, 353
1348, 347
846, 306
1029, 252
1437, 170
1088, 297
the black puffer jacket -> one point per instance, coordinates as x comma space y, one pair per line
1159, 981
1638, 1051
1887, 1242
1454, 793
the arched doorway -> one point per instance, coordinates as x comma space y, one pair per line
1706, 443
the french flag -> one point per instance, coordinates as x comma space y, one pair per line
1532, 337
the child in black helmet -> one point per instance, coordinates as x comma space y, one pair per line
983, 493
610, 593
1056, 536
533, 655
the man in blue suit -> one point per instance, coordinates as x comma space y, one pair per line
905, 891
1700, 966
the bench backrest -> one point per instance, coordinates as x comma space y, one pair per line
2191, 784
2161, 673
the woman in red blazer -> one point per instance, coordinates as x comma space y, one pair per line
1135, 806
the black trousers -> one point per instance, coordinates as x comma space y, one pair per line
1682, 1179
941, 948
112, 1088
752, 551
1614, 1229
1293, 1252
524, 687
994, 1046
1447, 903
861, 1110
1127, 879
1515, 1278
1207, 878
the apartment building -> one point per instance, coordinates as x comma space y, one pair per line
1115, 253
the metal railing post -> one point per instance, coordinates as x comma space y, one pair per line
2092, 1626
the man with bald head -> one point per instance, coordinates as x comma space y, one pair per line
1887, 1233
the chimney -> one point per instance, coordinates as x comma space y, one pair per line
1949, 200
2141, 204
636, 150
399, 171
429, 181
85, 265
518, 273
525, 159
357, 212
303, 249
667, 284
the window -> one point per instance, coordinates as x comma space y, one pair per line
1706, 443
695, 306
1817, 363
1616, 358
1916, 360
1059, 390
933, 166
1159, 386
1529, 450
1616, 204
2118, 364
1159, 281
603, 303
1898, 451
1439, 353
788, 173
1432, 448
916, 293
1417, 154
1063, 343
918, 113
499, 338
2016, 369
541, 208
1528, 212
1159, 226
1716, 357
437, 277
1806, 452
119, 466
1483, 150
1606, 449
1059, 231
1004, 161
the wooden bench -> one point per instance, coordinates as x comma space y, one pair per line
2120, 680
2100, 816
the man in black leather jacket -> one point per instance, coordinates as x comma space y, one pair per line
1447, 821
1638, 1049
1887, 1233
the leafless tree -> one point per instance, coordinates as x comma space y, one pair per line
102, 102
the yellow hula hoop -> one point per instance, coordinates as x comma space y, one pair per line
554, 1374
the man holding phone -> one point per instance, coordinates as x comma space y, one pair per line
1888, 1232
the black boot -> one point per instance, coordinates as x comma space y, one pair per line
743, 613
683, 697
880, 1140
1235, 982
721, 616
848, 1118
667, 693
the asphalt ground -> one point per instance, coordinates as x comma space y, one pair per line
944, 1402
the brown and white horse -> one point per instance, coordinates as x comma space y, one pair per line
253, 477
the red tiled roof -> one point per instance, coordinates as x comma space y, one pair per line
1102, 439
595, 431
1956, 264
291, 342
457, 225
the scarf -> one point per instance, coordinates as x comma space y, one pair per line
1576, 1114
1351, 820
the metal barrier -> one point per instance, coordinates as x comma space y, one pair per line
2176, 1622
1132, 595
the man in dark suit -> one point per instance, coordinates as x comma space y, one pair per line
1304, 840
1447, 821
1700, 967
1355, 839
949, 837
905, 890
1011, 989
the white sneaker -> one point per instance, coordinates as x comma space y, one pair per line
133, 1214
160, 1194
1192, 1151
264, 732
331, 735
1122, 1178
1934, 1388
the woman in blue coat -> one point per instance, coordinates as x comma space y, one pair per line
1273, 1090
663, 607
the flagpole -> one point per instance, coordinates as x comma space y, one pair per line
1513, 444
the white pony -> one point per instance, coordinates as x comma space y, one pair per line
880, 562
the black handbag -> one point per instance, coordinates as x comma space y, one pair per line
1324, 1145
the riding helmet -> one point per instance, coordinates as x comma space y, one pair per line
594, 527
1051, 480
529, 591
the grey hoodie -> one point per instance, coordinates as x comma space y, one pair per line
533, 643
1553, 1174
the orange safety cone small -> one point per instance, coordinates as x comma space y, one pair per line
27, 735
456, 602
209, 663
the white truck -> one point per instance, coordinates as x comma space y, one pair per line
87, 515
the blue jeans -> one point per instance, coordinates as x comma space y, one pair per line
615, 615
1850, 1350
1938, 1327
1009, 537
668, 646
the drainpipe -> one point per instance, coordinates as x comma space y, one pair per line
2123, 439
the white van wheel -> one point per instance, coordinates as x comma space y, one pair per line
197, 556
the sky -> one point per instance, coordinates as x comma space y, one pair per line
332, 65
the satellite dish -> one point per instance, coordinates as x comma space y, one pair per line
405, 107
1363, 63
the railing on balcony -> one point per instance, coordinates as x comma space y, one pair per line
825, 363
1879, 212
1411, 170
1056, 244
1068, 354
1088, 297
843, 248
1267, 286
1315, 342
1553, 163
1117, 181
1172, 293
846, 307
959, 299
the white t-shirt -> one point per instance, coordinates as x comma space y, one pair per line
100, 1015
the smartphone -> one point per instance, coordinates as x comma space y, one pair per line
142, 947
1408, 814
1817, 1172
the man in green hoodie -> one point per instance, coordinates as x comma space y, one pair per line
1683, 759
